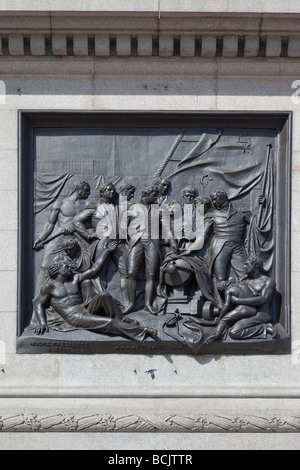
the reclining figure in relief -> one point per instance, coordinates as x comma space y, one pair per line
103, 315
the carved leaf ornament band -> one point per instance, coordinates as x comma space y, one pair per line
205, 423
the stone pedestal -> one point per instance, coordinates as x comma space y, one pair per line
145, 56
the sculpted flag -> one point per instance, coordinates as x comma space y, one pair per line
49, 186
205, 142
234, 163
260, 242
47, 189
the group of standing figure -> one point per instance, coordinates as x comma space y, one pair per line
73, 275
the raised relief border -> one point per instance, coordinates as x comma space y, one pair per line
154, 233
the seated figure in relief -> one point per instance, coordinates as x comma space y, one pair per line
242, 315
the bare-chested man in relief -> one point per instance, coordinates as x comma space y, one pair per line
59, 223
243, 303
103, 315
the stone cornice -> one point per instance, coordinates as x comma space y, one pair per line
146, 35
159, 6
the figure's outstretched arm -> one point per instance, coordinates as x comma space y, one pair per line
48, 227
79, 223
227, 305
98, 265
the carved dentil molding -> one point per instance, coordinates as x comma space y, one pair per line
150, 45
146, 35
